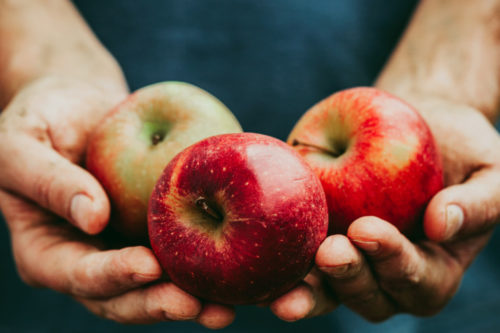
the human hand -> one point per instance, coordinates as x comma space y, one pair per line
375, 270
44, 132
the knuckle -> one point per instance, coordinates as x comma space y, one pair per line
411, 278
153, 300
152, 309
359, 298
103, 310
111, 314
118, 262
42, 188
81, 275
78, 278
407, 279
110, 310
81, 278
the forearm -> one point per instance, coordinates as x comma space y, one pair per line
450, 50
49, 38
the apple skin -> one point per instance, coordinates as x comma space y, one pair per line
268, 218
374, 155
137, 139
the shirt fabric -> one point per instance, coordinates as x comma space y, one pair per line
268, 61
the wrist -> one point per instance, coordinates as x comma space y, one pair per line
50, 39
449, 51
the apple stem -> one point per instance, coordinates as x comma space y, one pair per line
208, 210
296, 142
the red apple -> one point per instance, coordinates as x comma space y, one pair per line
137, 139
237, 218
374, 155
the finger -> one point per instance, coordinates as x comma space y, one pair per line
41, 174
351, 279
310, 298
102, 274
419, 280
324, 300
466, 209
160, 302
295, 304
56, 256
216, 316
79, 270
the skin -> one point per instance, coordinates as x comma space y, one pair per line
447, 66
53, 93
455, 87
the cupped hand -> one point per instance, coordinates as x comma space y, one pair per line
378, 272
44, 131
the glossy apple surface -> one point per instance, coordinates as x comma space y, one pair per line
374, 155
237, 218
137, 139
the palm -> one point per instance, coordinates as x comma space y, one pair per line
44, 131
378, 272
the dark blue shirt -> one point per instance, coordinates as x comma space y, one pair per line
268, 61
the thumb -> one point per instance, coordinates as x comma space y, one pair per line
42, 175
465, 209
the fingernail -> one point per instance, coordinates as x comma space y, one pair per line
80, 207
367, 246
336, 271
143, 278
454, 220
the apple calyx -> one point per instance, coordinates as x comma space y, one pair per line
203, 204
333, 153
157, 137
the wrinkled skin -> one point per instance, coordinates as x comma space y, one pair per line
44, 132
378, 272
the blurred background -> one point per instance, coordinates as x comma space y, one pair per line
268, 61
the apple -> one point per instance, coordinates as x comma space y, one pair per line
237, 218
374, 155
137, 139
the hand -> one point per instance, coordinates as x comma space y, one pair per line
44, 131
378, 272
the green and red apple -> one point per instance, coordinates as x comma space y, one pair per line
138, 138
374, 155
237, 218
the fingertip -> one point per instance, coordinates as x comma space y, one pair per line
376, 237
216, 316
294, 305
62, 187
336, 250
178, 304
144, 265
370, 228
443, 218
89, 214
